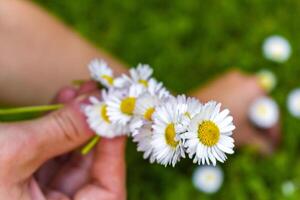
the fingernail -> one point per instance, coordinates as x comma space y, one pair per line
82, 98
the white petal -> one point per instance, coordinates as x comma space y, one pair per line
225, 149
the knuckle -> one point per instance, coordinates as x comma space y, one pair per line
235, 75
65, 124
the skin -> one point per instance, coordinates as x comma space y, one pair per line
48, 168
35, 44
37, 173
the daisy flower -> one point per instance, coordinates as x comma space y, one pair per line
139, 75
143, 137
293, 102
155, 95
189, 106
208, 179
99, 121
121, 108
267, 80
264, 112
276, 48
288, 188
156, 88
145, 106
209, 135
101, 72
168, 124
165, 127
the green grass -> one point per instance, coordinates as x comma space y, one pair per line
187, 43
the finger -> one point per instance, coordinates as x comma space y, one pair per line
48, 170
108, 170
65, 95
55, 134
87, 87
56, 195
109, 164
68, 93
94, 192
73, 175
35, 190
254, 89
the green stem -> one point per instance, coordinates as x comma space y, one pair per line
78, 82
30, 109
88, 147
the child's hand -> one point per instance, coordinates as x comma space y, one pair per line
237, 91
26, 146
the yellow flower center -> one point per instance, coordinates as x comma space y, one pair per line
144, 82
109, 79
148, 114
277, 52
104, 113
262, 110
266, 82
170, 135
210, 177
128, 105
208, 133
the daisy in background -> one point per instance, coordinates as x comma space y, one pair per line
99, 121
168, 124
288, 188
208, 179
208, 137
267, 79
120, 109
276, 48
293, 102
264, 112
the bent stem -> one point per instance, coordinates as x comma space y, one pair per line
30, 109
89, 146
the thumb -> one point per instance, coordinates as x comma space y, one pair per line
56, 133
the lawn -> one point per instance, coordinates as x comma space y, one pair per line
188, 43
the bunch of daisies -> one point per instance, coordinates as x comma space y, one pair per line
165, 127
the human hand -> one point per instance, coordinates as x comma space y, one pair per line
237, 91
26, 146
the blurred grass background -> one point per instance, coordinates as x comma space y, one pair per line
187, 43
